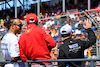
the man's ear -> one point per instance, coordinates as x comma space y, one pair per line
12, 27
71, 34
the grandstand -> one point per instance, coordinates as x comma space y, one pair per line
7, 6
53, 14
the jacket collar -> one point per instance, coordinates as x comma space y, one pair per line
68, 39
31, 25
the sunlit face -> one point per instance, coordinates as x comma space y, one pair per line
17, 26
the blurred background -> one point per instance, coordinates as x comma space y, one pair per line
52, 15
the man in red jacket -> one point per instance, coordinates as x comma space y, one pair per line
35, 42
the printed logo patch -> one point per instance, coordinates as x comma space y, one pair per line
74, 47
28, 31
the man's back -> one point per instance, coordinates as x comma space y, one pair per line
74, 48
33, 43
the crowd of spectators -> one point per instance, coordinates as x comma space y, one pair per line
54, 25
47, 8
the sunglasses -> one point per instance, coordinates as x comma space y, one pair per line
20, 25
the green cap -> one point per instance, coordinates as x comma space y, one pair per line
23, 23
40, 13
1, 19
76, 16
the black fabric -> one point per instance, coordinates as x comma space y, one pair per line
65, 53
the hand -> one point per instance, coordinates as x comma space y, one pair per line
15, 58
88, 24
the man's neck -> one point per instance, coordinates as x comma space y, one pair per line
66, 37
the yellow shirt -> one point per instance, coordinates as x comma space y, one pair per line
89, 52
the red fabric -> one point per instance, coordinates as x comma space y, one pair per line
74, 12
32, 43
96, 11
21, 17
31, 16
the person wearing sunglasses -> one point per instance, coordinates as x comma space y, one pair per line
9, 43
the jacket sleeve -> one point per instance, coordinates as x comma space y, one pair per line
49, 40
91, 37
61, 56
22, 54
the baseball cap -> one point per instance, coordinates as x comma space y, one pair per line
66, 29
31, 18
77, 32
40, 13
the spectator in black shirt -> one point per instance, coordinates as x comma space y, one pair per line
74, 48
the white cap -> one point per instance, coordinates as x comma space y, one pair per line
77, 32
2, 29
66, 29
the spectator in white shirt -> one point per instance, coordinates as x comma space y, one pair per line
9, 43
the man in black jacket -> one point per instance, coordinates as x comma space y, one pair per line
74, 48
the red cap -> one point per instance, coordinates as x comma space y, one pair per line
31, 16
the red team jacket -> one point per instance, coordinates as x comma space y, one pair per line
32, 44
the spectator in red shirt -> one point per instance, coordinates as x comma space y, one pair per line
35, 42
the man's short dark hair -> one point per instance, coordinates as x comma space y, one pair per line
65, 35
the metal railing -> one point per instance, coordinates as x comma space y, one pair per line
92, 64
